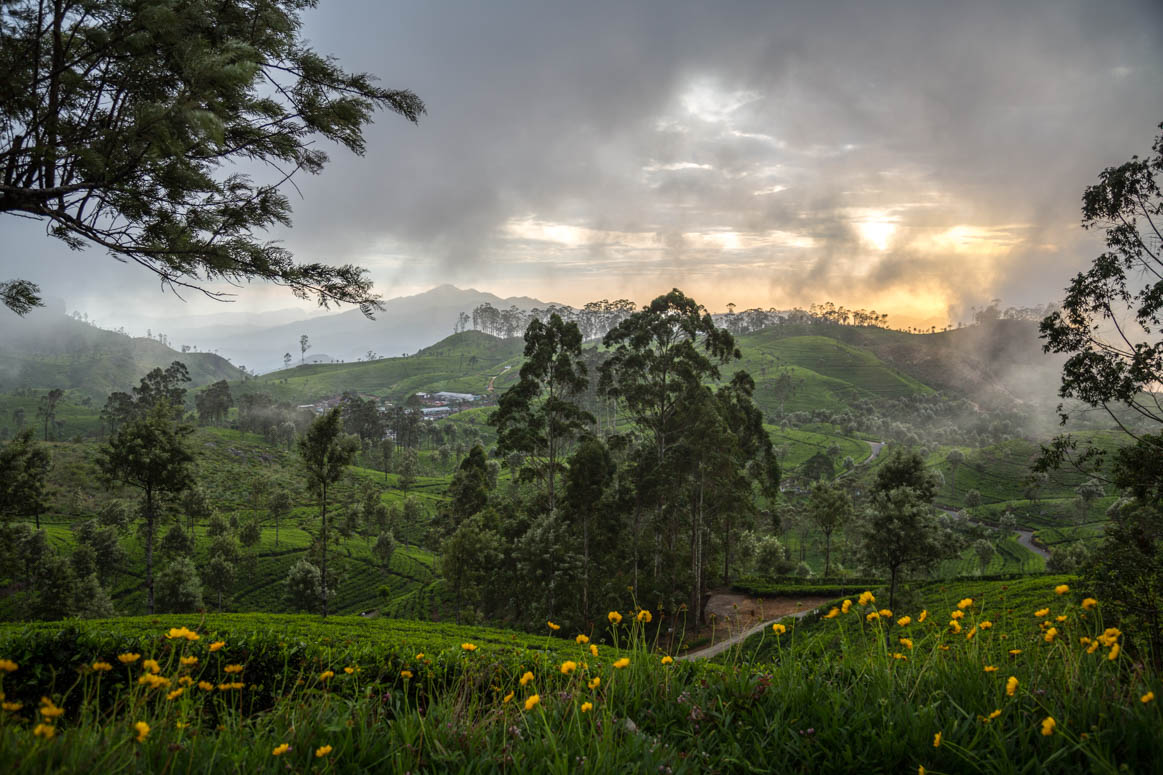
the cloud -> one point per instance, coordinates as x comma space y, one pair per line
763, 153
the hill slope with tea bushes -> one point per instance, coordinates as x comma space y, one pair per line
1008, 678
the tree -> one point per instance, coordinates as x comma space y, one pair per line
123, 124
409, 464
973, 499
195, 504
214, 402
108, 553
325, 452
538, 417
387, 446
150, 453
24, 467
279, 508
220, 572
384, 548
467, 558
469, 489
305, 587
176, 543
985, 551
900, 534
304, 346
162, 386
955, 458
1088, 492
830, 508
905, 469
590, 473
1108, 322
179, 587
286, 360
48, 408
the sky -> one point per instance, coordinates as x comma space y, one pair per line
917, 158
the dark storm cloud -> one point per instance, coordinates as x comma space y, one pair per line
722, 143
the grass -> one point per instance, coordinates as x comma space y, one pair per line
831, 695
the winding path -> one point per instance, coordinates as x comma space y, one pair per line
876, 446
720, 647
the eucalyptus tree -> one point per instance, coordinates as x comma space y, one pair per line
24, 467
539, 417
325, 453
829, 507
151, 453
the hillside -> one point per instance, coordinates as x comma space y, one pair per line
48, 349
463, 362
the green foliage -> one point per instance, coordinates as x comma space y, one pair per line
124, 130
179, 587
24, 467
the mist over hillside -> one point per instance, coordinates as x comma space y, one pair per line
406, 324
49, 349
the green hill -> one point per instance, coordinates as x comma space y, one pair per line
51, 350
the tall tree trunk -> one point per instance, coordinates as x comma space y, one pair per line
828, 553
323, 510
149, 550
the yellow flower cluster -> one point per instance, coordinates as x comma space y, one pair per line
8, 666
182, 632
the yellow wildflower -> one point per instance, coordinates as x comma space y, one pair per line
972, 632
420, 655
872, 616
778, 628
12, 707
1148, 697
151, 665
142, 731
937, 740
621, 663
531, 701
866, 597
232, 669
1060, 619
845, 606
405, 673
985, 625
907, 643
957, 614
281, 749
554, 627
205, 686
128, 658
507, 697
322, 751
1042, 612
217, 645
1015, 652
644, 616
1089, 603
582, 639
49, 710
1114, 652
468, 646
1011, 686
8, 666
885, 613
955, 626
595, 682
185, 680
527, 677
924, 615
995, 714
614, 617
1051, 634
904, 621
187, 661
898, 655
175, 694
990, 669
593, 649
102, 667
326, 674
833, 613
44, 730
1061, 589
182, 632
1048, 725
965, 603
568, 666
586, 707
668, 660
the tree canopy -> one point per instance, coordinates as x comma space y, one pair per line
127, 124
